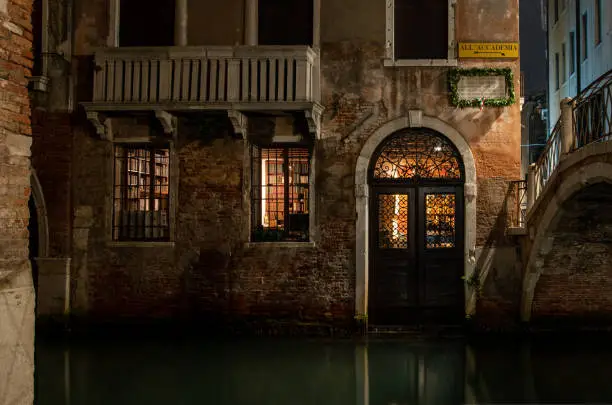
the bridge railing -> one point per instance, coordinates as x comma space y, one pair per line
584, 120
548, 161
593, 112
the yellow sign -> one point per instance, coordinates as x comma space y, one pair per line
489, 50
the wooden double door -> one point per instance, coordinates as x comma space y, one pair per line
417, 255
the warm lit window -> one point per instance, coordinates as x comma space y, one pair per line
141, 193
280, 194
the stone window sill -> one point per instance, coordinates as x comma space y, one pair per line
286, 245
419, 62
140, 244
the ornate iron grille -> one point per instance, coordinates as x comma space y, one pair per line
593, 112
440, 221
418, 155
393, 221
280, 194
141, 194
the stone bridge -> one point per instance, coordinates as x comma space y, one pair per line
567, 242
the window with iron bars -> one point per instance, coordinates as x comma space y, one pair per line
280, 194
141, 193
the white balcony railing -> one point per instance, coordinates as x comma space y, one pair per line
197, 75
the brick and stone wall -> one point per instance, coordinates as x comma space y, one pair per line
16, 290
208, 271
566, 254
360, 95
576, 279
211, 268
51, 159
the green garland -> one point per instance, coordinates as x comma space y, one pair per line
453, 81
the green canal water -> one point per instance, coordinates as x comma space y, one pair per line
318, 372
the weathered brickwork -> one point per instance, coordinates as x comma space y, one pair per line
211, 268
51, 160
16, 292
15, 131
209, 271
576, 280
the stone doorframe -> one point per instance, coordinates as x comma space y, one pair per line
362, 188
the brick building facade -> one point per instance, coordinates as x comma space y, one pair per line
16, 290
230, 161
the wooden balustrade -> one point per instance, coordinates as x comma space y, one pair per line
206, 75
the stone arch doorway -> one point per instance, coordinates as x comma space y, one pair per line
362, 202
417, 217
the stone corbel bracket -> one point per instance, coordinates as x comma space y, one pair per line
239, 122
102, 124
313, 119
168, 122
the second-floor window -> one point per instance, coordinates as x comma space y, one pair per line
280, 195
557, 73
141, 201
37, 30
563, 62
585, 42
597, 22
146, 22
284, 22
420, 29
572, 44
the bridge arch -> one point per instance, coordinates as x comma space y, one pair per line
576, 173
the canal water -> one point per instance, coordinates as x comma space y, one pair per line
319, 372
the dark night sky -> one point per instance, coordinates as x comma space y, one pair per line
533, 46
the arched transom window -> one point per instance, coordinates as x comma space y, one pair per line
418, 155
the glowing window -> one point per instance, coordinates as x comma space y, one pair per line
141, 193
280, 194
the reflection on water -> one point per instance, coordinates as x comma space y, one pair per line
299, 372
